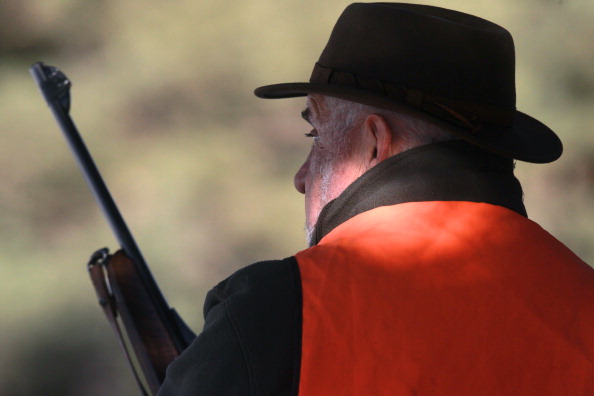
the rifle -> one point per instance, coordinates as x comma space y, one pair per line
150, 333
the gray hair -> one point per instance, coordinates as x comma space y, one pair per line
344, 114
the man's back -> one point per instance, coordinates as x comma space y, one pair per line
445, 298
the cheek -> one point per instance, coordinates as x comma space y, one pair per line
320, 160
329, 171
337, 175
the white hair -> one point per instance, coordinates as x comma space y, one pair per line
344, 114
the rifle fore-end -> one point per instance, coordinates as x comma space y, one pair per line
132, 314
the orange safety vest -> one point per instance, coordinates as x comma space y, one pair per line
445, 298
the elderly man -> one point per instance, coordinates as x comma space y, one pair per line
424, 275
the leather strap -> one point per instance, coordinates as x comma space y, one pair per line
468, 115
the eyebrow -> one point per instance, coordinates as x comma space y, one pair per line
306, 115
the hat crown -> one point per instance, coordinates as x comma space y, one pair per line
431, 49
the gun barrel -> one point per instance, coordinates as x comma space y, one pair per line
55, 87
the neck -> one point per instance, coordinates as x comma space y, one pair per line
446, 171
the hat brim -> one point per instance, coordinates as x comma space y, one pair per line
527, 139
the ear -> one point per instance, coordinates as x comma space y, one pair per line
378, 139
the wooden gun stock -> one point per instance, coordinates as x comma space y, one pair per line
145, 340
151, 334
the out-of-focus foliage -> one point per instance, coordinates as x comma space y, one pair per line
202, 170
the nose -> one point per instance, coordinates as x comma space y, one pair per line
299, 179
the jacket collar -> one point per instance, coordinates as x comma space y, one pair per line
445, 171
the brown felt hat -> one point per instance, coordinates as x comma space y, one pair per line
456, 68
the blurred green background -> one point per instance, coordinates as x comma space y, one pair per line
201, 169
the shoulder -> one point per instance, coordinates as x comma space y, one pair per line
267, 282
250, 343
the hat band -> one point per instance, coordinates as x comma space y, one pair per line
468, 115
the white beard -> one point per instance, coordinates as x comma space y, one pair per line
327, 170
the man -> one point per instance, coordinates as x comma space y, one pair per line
424, 275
